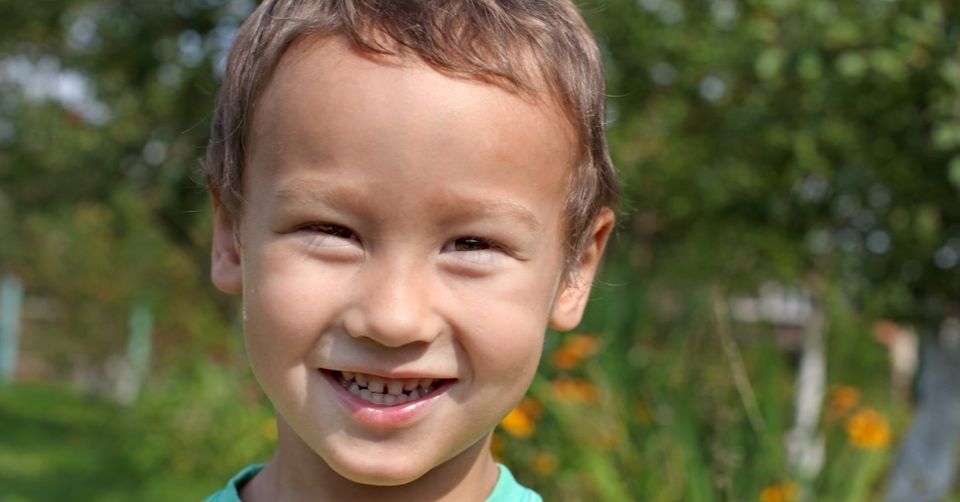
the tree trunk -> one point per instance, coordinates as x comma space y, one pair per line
11, 306
927, 462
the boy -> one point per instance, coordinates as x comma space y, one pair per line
407, 194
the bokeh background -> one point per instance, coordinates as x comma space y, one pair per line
776, 321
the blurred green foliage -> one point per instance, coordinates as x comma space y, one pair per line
793, 139
815, 142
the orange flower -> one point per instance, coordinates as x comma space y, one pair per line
784, 492
574, 390
519, 424
843, 399
575, 349
565, 359
544, 464
531, 407
869, 430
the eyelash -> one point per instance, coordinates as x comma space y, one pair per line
330, 229
475, 244
462, 244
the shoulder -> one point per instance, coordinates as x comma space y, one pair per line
508, 489
231, 492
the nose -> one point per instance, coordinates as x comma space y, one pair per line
393, 305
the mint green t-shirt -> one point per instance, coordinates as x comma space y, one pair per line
506, 490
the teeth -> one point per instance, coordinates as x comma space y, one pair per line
375, 385
385, 392
395, 388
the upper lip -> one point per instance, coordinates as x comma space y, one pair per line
393, 375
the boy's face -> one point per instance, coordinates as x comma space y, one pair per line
399, 226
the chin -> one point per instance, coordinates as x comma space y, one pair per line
379, 470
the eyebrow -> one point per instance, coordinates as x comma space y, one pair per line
501, 207
312, 193
315, 193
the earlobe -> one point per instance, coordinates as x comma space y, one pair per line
226, 272
571, 302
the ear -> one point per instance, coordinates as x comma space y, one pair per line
225, 263
572, 301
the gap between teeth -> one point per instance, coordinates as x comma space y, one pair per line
388, 393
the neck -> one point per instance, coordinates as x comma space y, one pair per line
296, 473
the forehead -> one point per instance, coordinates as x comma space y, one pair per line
339, 117
357, 82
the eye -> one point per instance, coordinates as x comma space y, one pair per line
329, 230
472, 254
472, 244
476, 249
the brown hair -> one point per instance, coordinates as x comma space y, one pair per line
517, 44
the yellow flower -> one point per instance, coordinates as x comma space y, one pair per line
843, 399
783, 492
544, 464
869, 430
268, 429
574, 390
575, 349
519, 424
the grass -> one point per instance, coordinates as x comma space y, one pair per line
58, 444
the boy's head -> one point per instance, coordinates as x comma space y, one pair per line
403, 191
539, 48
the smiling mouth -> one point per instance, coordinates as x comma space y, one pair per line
386, 391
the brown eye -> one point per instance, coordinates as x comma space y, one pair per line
471, 244
330, 229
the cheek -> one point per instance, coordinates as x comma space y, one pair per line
508, 326
504, 356
514, 363
284, 306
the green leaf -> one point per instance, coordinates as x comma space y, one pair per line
852, 65
769, 63
953, 172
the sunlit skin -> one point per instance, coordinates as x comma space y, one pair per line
403, 223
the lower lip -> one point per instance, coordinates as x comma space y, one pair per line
380, 416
